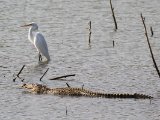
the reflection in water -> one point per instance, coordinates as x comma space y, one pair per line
39, 66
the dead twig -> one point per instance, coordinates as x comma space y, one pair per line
44, 74
114, 18
64, 76
17, 76
146, 34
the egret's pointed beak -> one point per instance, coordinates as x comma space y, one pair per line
26, 25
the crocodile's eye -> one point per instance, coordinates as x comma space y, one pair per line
34, 85
24, 85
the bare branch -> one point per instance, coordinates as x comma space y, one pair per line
146, 34
114, 18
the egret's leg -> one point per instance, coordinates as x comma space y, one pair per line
40, 57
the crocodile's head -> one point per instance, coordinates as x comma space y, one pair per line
35, 88
28, 86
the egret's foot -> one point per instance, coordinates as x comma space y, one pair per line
40, 58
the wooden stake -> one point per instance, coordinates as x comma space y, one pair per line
89, 32
113, 43
146, 34
151, 31
114, 18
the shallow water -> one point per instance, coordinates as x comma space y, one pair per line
127, 67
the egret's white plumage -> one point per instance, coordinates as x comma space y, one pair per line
38, 40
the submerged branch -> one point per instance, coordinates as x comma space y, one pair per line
64, 76
68, 85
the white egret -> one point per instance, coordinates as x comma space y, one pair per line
38, 40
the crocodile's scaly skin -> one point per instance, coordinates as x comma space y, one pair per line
42, 89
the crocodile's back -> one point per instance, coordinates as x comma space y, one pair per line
69, 91
83, 92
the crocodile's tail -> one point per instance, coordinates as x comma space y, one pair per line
104, 95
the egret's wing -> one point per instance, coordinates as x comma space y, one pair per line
41, 45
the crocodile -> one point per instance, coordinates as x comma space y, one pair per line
72, 91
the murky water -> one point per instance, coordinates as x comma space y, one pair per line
127, 67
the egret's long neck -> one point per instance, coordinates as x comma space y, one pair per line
31, 35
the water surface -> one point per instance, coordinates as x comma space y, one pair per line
127, 67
